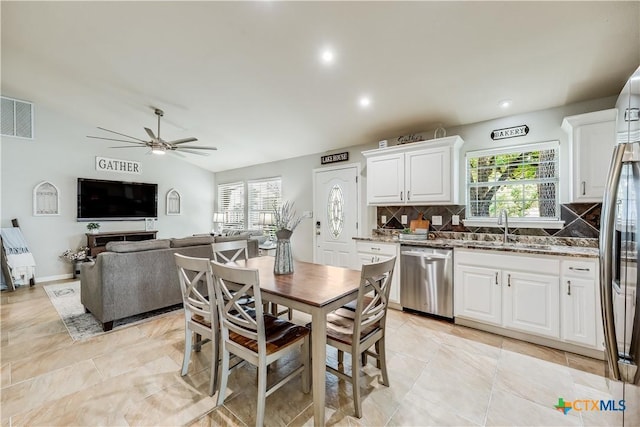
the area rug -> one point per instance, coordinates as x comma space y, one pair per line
65, 297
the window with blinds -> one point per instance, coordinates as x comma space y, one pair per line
521, 180
263, 196
231, 203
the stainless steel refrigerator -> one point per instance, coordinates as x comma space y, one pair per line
619, 258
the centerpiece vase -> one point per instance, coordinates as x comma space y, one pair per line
284, 260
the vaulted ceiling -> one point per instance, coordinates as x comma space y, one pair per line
248, 77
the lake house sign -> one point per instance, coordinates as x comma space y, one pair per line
510, 132
104, 164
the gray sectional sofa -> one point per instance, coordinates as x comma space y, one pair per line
132, 278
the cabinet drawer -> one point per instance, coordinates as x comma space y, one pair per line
586, 269
388, 249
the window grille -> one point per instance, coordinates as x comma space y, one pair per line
521, 180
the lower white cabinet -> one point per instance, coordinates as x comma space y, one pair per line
370, 252
478, 293
580, 303
531, 303
548, 296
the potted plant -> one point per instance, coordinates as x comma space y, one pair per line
93, 227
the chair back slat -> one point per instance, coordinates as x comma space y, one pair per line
375, 280
230, 252
231, 285
195, 277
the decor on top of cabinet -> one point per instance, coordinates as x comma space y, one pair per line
46, 199
93, 227
285, 221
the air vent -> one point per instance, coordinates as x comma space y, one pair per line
16, 118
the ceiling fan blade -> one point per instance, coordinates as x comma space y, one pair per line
190, 151
175, 153
150, 133
196, 148
122, 134
119, 140
182, 141
130, 146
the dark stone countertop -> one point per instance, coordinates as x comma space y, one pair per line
573, 247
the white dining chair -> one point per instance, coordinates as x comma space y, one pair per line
253, 335
357, 327
200, 312
230, 252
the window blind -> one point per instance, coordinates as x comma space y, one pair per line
263, 196
231, 203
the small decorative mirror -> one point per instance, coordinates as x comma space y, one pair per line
174, 202
46, 199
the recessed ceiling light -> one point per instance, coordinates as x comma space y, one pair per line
327, 56
506, 103
365, 101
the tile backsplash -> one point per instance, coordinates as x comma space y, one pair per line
580, 220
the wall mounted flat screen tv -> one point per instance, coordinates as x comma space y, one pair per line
116, 200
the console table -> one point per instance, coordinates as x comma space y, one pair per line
97, 241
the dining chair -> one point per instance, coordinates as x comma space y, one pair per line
255, 336
356, 327
200, 313
230, 252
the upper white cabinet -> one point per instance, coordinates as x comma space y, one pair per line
417, 174
592, 137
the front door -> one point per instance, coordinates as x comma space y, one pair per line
336, 215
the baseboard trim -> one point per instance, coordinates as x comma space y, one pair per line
548, 342
54, 278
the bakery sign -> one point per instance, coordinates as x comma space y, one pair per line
104, 164
511, 132
334, 158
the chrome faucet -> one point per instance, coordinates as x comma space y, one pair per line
507, 237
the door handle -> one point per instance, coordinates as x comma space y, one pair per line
584, 188
579, 269
569, 287
508, 280
401, 195
496, 277
408, 195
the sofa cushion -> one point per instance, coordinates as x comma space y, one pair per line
145, 245
191, 241
240, 236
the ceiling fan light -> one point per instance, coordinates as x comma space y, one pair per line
158, 150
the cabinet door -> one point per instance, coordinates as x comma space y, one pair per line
579, 310
593, 146
531, 303
477, 294
369, 258
385, 179
428, 175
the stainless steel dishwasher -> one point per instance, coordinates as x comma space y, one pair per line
427, 280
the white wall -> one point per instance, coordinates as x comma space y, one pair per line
296, 173
297, 187
60, 153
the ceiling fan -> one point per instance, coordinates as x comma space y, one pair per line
157, 144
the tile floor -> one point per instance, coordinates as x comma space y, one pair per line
440, 373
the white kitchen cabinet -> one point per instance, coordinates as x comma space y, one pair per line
513, 291
418, 173
385, 179
478, 293
578, 294
592, 137
552, 297
370, 252
530, 302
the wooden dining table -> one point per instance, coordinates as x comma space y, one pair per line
315, 289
